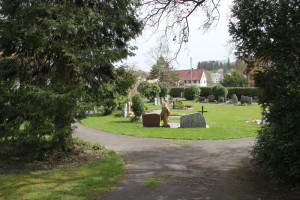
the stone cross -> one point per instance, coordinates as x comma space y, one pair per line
202, 111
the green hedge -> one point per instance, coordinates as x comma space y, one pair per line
206, 91
239, 91
175, 91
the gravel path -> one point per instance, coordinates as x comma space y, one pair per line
202, 169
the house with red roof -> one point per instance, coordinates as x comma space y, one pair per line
192, 77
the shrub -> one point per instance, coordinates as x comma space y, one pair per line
242, 100
142, 87
152, 91
219, 90
164, 89
192, 92
221, 99
138, 106
149, 90
179, 104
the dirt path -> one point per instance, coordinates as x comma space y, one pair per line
204, 169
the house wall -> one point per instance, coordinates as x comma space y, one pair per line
251, 74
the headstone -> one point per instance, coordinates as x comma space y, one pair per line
168, 97
248, 100
181, 94
174, 104
155, 101
151, 120
192, 120
125, 110
234, 99
201, 98
158, 101
211, 98
163, 105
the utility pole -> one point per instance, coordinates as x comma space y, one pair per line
191, 71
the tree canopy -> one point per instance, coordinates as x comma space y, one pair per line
268, 32
55, 56
234, 79
163, 72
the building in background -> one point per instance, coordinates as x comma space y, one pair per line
216, 78
258, 66
192, 77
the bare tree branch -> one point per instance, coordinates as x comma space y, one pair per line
174, 16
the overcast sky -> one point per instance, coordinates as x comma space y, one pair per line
211, 45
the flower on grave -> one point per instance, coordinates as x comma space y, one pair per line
141, 121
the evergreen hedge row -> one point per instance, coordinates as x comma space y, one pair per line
206, 91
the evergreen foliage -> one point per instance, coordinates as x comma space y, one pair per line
219, 90
163, 72
268, 32
234, 79
191, 92
149, 90
164, 89
56, 58
138, 106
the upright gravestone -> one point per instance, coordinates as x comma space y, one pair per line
181, 94
192, 120
125, 110
234, 99
155, 101
174, 104
211, 98
168, 97
151, 120
158, 101
250, 100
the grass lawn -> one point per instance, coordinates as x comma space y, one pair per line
86, 180
225, 122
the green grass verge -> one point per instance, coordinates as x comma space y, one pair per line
225, 122
84, 181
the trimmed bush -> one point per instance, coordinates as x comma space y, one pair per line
219, 90
221, 99
138, 106
192, 92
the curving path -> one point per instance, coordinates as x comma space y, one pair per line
202, 169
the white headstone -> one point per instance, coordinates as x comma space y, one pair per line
155, 101
125, 110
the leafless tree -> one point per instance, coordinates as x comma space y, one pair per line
174, 15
